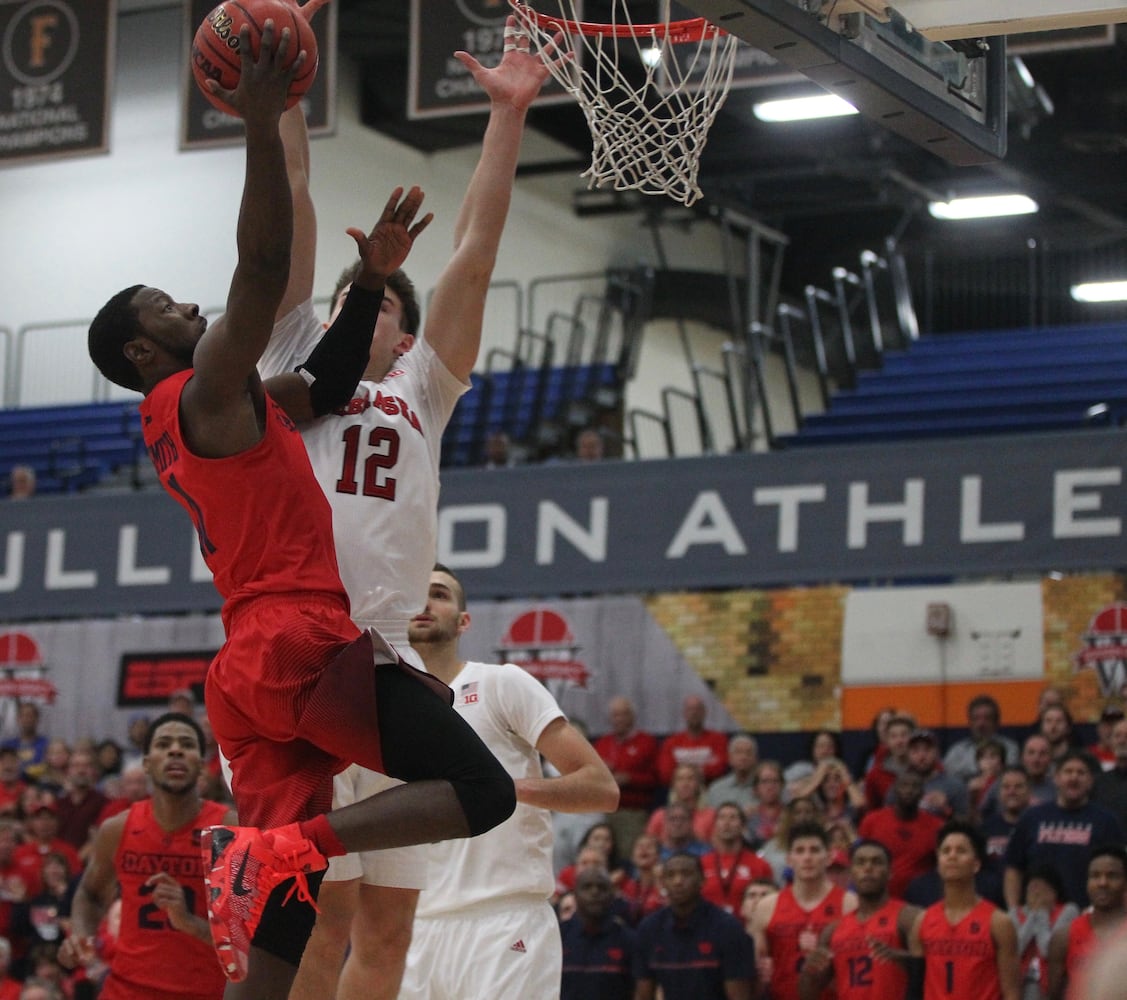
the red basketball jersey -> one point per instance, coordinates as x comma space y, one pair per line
727, 875
792, 932
857, 974
959, 958
151, 960
264, 525
1082, 941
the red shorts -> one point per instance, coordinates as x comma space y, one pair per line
291, 699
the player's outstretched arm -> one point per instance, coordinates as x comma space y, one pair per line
303, 246
328, 377
226, 355
456, 312
585, 783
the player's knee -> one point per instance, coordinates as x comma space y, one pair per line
488, 799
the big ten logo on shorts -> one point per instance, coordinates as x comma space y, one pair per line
41, 41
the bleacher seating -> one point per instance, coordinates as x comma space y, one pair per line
1001, 382
71, 446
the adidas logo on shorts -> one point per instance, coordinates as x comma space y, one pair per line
518, 947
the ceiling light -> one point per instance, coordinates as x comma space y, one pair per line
651, 57
796, 109
1100, 291
983, 206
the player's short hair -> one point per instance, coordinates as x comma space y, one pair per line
985, 701
162, 720
1047, 874
399, 283
459, 590
1084, 757
695, 859
801, 831
117, 323
1116, 851
868, 842
968, 830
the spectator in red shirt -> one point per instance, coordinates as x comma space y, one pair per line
687, 790
731, 866
631, 755
907, 832
642, 890
1103, 749
11, 780
81, 803
43, 839
705, 749
9, 988
882, 776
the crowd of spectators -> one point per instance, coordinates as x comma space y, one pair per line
1042, 805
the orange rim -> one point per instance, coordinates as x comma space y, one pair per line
692, 30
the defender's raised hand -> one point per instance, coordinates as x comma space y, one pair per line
386, 247
517, 79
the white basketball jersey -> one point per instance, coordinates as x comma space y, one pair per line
377, 462
509, 709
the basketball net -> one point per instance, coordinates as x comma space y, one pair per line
648, 109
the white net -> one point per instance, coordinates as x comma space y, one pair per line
648, 108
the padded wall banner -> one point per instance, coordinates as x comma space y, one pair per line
55, 70
895, 512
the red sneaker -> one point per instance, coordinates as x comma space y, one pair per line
243, 865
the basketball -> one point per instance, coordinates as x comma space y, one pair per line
215, 49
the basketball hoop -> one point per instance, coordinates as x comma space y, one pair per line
648, 110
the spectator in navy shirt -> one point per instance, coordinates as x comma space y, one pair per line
598, 947
1062, 833
692, 949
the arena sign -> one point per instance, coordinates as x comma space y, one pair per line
895, 512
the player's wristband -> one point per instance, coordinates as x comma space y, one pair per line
338, 361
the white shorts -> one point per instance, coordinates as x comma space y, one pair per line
397, 867
500, 950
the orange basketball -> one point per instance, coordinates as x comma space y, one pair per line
215, 49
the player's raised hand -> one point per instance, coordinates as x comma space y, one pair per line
264, 82
517, 79
386, 247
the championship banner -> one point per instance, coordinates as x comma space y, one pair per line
55, 82
204, 125
440, 85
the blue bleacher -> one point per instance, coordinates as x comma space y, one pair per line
998, 382
71, 446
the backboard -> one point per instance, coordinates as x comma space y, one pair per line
933, 71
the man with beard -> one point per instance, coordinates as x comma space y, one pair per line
859, 953
1071, 947
152, 852
484, 927
1061, 833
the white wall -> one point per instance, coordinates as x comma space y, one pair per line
78, 230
